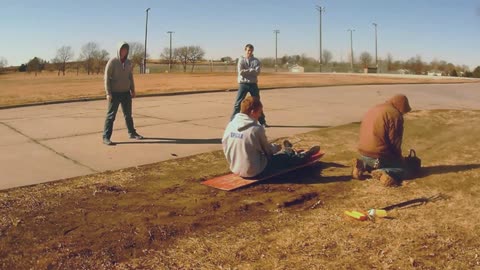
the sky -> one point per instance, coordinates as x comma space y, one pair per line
433, 29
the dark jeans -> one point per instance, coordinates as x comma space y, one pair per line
283, 160
393, 167
243, 90
125, 99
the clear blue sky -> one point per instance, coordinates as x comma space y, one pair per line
442, 29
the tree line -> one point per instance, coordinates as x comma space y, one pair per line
414, 65
92, 59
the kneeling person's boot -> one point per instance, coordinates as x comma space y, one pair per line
385, 179
357, 169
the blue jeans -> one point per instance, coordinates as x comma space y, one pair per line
125, 99
243, 90
393, 167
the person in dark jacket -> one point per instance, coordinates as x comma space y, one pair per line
380, 142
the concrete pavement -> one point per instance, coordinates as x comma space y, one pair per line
45, 143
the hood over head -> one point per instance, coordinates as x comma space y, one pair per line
400, 102
120, 46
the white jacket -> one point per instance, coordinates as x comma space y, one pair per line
246, 146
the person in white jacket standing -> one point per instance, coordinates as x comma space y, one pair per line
247, 149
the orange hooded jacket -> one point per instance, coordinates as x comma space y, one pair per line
381, 130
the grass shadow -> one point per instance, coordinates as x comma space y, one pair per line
310, 175
173, 141
442, 169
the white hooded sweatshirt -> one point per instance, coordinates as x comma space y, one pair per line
246, 146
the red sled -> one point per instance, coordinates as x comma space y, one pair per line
232, 181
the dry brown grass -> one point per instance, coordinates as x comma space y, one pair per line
24, 88
159, 216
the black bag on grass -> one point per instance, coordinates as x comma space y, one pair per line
413, 163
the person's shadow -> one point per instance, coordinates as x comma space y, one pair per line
442, 169
292, 126
310, 175
149, 140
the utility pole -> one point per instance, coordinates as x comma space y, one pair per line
170, 57
320, 10
276, 34
351, 47
376, 51
145, 53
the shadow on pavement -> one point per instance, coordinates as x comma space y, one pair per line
173, 141
292, 126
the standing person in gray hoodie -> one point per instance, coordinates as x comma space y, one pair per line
248, 70
247, 149
120, 89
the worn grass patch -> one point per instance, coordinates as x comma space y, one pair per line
159, 216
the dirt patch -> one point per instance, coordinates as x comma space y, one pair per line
24, 88
159, 216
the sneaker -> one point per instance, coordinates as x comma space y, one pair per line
312, 151
385, 179
357, 169
107, 141
287, 144
136, 136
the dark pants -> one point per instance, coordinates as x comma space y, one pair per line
283, 160
243, 90
393, 167
125, 99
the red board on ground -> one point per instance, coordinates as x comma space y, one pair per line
232, 181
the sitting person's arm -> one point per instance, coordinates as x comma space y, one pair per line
269, 149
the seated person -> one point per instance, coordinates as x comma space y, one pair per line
380, 142
246, 146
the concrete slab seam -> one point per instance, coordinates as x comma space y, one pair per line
48, 148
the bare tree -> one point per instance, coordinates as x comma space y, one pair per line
100, 60
182, 55
87, 55
195, 54
3, 63
64, 54
165, 55
365, 59
326, 57
136, 53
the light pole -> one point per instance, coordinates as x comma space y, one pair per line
376, 51
145, 52
170, 57
276, 34
351, 47
320, 10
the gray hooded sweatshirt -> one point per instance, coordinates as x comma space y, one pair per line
248, 69
246, 146
118, 75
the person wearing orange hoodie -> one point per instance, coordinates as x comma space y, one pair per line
380, 142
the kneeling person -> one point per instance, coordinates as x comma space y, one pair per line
246, 146
380, 142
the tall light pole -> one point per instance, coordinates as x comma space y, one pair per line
376, 51
145, 52
320, 10
351, 47
276, 34
170, 57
